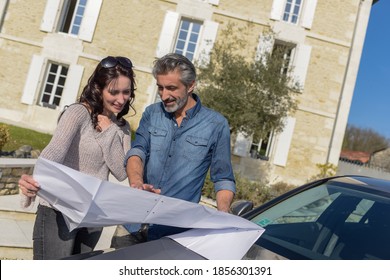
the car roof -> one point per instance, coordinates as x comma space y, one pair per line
364, 181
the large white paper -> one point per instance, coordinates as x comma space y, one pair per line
86, 201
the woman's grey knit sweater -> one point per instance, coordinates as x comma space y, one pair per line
76, 144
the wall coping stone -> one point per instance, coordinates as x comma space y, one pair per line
17, 162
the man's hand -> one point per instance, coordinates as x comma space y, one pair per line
224, 199
145, 187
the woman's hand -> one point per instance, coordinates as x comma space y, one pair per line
28, 186
104, 122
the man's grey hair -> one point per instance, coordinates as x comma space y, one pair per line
173, 61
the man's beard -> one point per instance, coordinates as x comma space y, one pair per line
179, 104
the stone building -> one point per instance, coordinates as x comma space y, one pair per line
48, 49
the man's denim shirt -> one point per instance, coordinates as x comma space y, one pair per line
178, 158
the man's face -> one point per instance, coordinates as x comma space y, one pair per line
173, 93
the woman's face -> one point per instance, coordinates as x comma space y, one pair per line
116, 94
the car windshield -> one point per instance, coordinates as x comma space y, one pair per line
331, 221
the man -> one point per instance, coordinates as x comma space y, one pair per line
178, 140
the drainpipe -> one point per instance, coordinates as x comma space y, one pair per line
349, 81
3, 11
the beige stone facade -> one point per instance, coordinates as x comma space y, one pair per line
328, 39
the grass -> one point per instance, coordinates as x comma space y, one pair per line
22, 136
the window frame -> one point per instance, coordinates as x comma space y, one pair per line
53, 94
52, 16
306, 14
190, 33
288, 55
63, 26
262, 149
290, 15
169, 31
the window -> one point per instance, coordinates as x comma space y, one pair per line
72, 15
50, 83
53, 86
297, 12
283, 52
192, 38
261, 148
75, 17
187, 38
291, 11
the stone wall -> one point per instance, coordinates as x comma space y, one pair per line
10, 171
347, 168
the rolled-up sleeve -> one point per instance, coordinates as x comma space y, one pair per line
135, 152
221, 170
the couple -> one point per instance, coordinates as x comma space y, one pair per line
176, 143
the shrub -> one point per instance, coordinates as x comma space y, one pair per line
281, 188
325, 170
256, 192
4, 135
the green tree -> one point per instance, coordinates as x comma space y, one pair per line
254, 94
364, 140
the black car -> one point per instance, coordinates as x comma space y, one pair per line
345, 218
341, 218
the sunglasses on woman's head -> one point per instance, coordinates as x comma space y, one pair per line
111, 61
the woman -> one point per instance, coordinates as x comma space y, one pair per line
92, 137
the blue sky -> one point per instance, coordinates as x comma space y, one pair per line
371, 100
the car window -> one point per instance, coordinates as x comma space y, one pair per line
331, 221
306, 213
304, 207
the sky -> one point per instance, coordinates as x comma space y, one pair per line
370, 108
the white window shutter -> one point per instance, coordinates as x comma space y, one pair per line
242, 145
32, 81
72, 85
210, 29
308, 13
284, 142
50, 15
266, 43
214, 2
167, 35
89, 21
301, 63
277, 9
